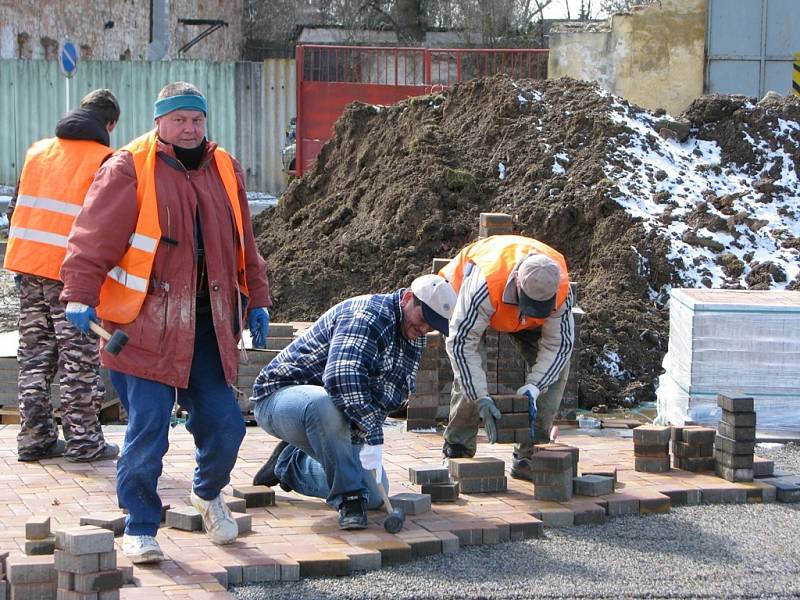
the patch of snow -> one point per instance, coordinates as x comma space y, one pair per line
502, 168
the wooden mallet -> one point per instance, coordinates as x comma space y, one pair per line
114, 342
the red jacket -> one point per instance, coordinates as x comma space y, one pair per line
161, 341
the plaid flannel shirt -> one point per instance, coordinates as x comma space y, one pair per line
357, 352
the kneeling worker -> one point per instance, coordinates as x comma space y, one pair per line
327, 394
520, 286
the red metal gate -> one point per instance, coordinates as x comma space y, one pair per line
330, 77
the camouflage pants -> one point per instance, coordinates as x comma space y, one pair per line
462, 428
49, 343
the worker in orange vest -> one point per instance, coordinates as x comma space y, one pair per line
55, 177
164, 250
516, 285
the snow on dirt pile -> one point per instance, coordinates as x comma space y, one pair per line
636, 202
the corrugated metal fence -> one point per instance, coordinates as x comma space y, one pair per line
250, 105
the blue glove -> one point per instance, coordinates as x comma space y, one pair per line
80, 314
258, 324
532, 392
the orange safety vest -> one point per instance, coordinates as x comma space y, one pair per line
55, 178
496, 256
125, 286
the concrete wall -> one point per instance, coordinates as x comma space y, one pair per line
654, 57
33, 28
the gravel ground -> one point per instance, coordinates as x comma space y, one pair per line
9, 302
731, 551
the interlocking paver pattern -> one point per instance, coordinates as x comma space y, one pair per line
299, 536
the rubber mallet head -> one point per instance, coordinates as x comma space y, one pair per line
116, 342
394, 521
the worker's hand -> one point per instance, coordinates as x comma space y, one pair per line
490, 415
372, 458
529, 390
258, 324
80, 314
532, 392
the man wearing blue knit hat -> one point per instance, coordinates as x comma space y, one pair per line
164, 251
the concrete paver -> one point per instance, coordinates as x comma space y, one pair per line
299, 537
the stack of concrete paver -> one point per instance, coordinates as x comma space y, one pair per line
553, 473
423, 412
478, 475
735, 442
279, 336
435, 481
4, 593
514, 425
86, 564
651, 448
31, 578
693, 448
38, 538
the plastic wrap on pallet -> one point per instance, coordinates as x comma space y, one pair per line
733, 342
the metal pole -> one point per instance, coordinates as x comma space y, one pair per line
66, 96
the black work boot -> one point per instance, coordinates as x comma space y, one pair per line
54, 450
353, 512
521, 468
455, 451
108, 452
266, 474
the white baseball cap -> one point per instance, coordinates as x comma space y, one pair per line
538, 276
438, 300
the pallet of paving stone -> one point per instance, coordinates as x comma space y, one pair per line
279, 336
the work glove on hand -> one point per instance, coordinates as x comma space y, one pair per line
80, 314
258, 324
490, 415
532, 392
372, 458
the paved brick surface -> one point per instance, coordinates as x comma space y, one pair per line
298, 536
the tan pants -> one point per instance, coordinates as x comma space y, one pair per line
464, 419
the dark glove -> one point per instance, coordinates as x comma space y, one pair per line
18, 282
490, 415
258, 323
80, 315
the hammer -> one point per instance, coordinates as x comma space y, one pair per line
115, 342
395, 518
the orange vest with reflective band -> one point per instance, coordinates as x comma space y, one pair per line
54, 181
125, 287
496, 256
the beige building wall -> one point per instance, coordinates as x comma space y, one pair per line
653, 57
34, 28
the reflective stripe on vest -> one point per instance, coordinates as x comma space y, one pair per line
497, 256
125, 287
55, 178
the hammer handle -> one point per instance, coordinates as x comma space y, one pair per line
386, 502
99, 330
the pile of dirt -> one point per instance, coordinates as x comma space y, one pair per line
400, 185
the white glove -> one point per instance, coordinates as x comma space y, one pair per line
529, 390
371, 458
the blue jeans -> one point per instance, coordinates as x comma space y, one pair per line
215, 421
320, 460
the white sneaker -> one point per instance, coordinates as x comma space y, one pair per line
220, 525
141, 549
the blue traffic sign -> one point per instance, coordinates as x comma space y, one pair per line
68, 58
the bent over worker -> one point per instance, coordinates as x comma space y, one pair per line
327, 394
55, 177
520, 286
164, 250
